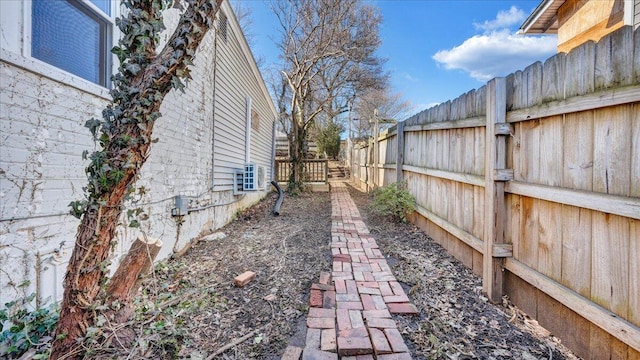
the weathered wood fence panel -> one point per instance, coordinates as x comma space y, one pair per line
533, 181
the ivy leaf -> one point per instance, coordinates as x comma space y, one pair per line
77, 208
93, 125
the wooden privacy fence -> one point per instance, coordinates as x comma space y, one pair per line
533, 181
315, 171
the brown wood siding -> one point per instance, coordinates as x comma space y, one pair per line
582, 20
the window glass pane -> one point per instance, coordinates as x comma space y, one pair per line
68, 38
104, 5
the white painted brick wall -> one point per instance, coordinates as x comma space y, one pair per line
42, 137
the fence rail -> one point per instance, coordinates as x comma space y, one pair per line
533, 182
315, 171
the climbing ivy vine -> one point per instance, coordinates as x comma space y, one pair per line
124, 137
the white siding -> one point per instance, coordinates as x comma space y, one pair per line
42, 137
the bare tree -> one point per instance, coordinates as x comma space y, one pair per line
328, 50
124, 136
380, 103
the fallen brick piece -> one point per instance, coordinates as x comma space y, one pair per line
291, 353
402, 308
325, 278
244, 278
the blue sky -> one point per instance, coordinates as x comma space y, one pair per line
436, 50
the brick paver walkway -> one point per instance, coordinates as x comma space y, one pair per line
350, 308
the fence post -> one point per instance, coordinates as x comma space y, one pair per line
326, 171
399, 151
495, 207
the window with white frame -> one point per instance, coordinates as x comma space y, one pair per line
75, 36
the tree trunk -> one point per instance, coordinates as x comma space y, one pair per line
86, 274
124, 284
89, 264
297, 158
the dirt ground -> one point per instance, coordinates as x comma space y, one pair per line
191, 309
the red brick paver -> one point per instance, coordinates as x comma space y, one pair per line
350, 307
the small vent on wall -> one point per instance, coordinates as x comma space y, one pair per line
223, 26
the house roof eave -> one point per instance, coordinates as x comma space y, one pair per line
544, 19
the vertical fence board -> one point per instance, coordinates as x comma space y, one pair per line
636, 57
478, 151
472, 110
578, 151
635, 149
550, 240
610, 262
576, 249
517, 161
529, 167
445, 137
518, 89
634, 273
430, 147
468, 157
553, 74
622, 60
528, 239
551, 159
532, 75
399, 151
599, 343
580, 79
478, 212
604, 75
612, 141
515, 215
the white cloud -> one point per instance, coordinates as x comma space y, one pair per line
498, 51
504, 19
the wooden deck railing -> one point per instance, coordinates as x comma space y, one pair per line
315, 171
